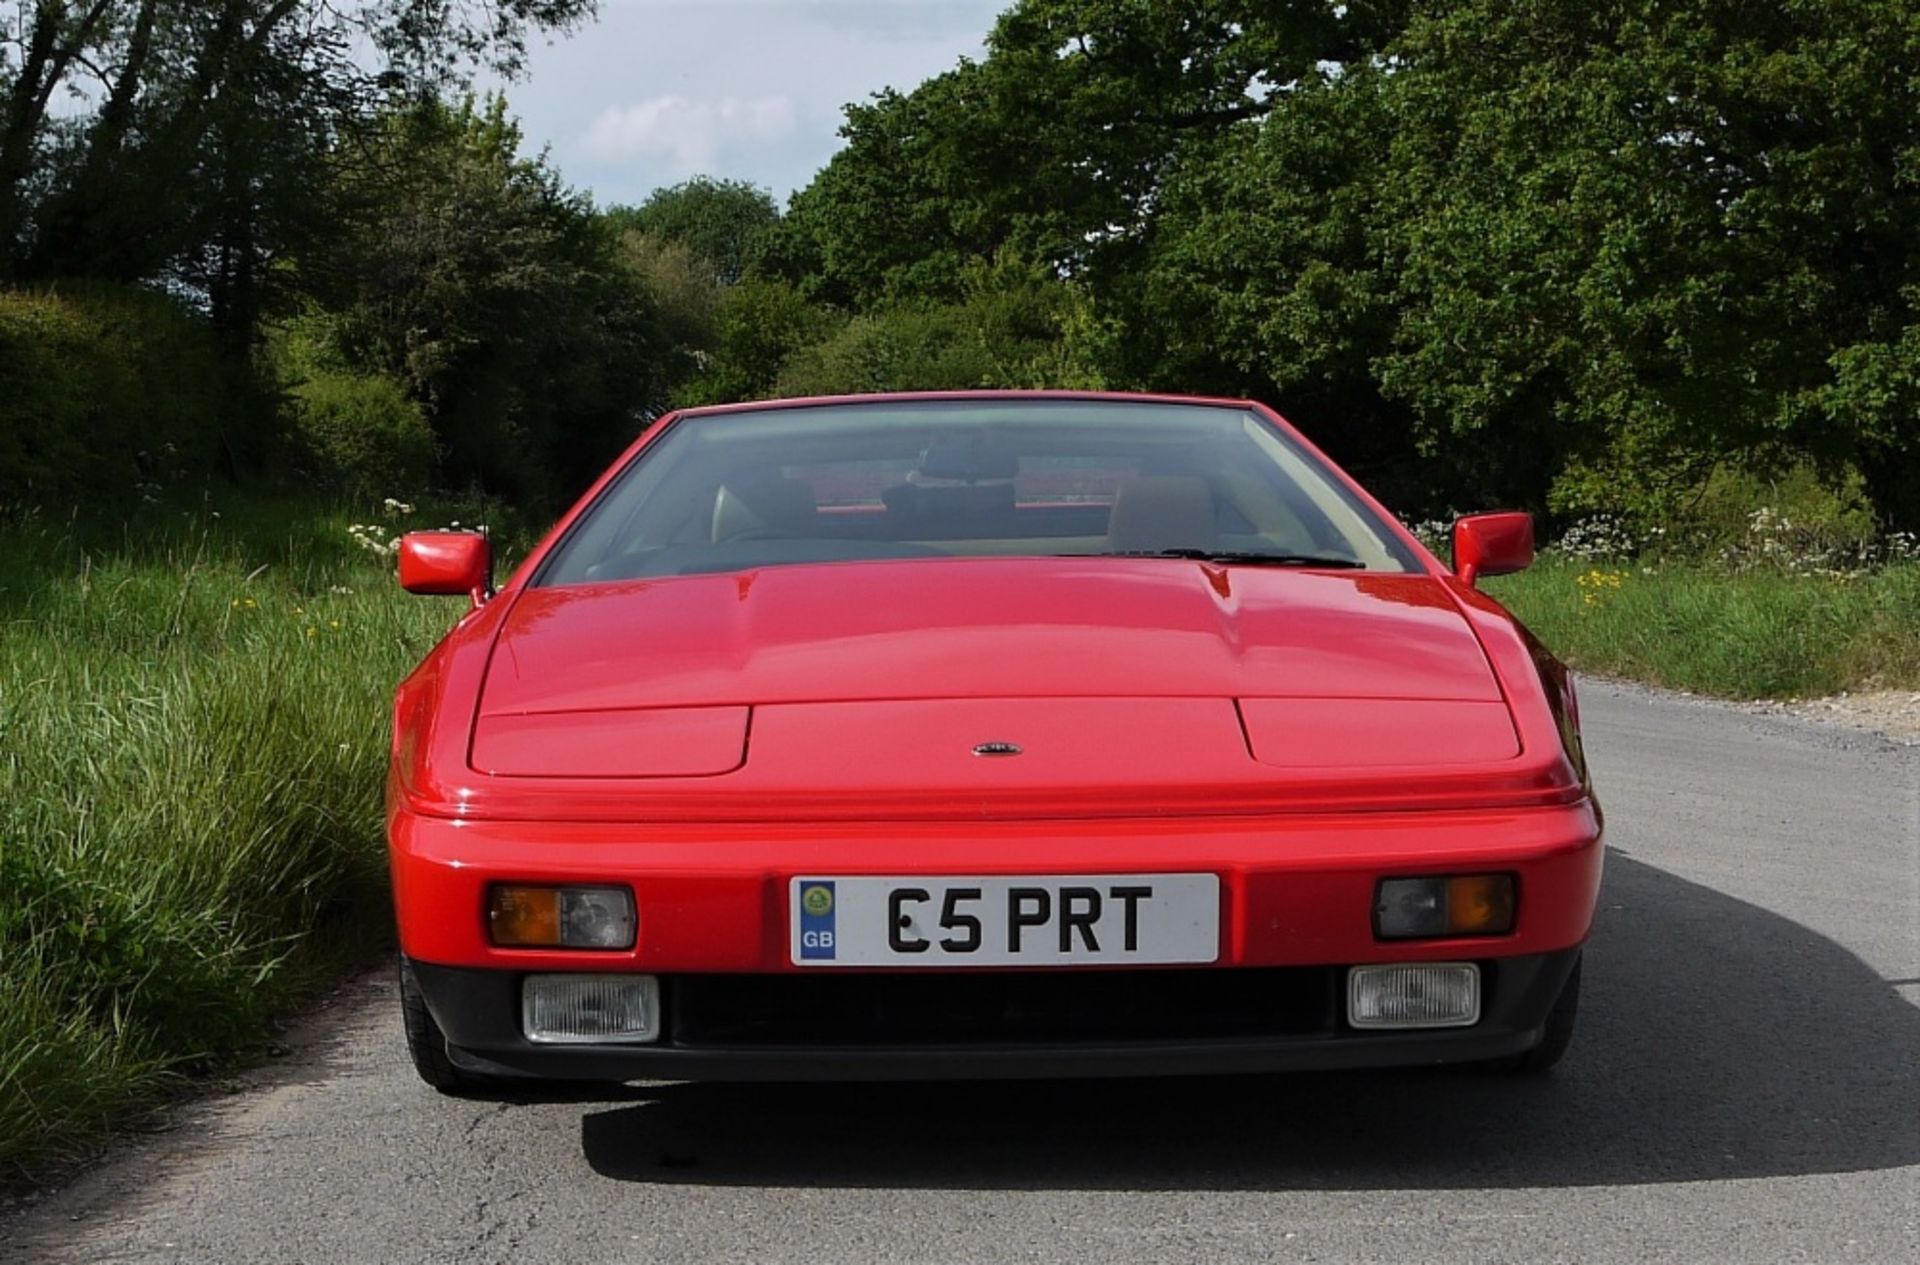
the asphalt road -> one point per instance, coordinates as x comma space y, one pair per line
1745, 1088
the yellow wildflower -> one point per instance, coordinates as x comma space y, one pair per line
1596, 585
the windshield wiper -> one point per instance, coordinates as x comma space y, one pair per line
1232, 558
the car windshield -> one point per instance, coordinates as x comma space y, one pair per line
971, 478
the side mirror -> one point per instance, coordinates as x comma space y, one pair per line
448, 563
1492, 544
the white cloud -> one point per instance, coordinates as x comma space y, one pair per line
687, 134
602, 100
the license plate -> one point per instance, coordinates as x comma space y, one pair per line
1030, 920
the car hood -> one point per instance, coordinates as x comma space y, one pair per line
984, 628
889, 691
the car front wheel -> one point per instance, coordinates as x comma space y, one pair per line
428, 1046
1558, 1035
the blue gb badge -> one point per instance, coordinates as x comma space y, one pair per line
816, 920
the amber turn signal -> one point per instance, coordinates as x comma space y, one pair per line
527, 917
524, 917
1481, 905
1450, 905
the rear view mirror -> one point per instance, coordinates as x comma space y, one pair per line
968, 459
446, 562
1492, 544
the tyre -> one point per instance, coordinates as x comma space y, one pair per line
1559, 1031
428, 1046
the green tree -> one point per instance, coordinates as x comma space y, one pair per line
1569, 256
105, 392
1262, 274
492, 292
685, 294
209, 124
1009, 329
758, 325
1631, 239
1056, 145
722, 221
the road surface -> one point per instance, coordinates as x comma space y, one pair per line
1745, 1088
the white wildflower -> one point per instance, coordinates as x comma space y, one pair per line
1599, 538
1434, 533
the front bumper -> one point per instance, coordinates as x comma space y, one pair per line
478, 1009
1294, 890
1296, 895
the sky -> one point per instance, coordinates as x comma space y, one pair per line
655, 91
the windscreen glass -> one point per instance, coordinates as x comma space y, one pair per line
971, 478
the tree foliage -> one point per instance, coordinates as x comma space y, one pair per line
1643, 238
1008, 329
758, 325
212, 125
1568, 257
721, 221
494, 296
106, 391
1576, 258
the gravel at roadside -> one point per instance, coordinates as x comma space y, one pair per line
1895, 713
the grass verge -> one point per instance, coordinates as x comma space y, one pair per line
1757, 634
193, 735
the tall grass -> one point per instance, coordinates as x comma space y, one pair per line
193, 732
1764, 633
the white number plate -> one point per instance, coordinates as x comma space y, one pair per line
1031, 920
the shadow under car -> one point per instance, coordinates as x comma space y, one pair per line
1717, 1040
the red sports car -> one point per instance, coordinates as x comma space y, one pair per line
984, 734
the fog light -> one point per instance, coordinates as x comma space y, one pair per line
570, 1009
560, 917
1443, 905
1414, 995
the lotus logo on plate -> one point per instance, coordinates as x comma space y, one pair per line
997, 749
817, 931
